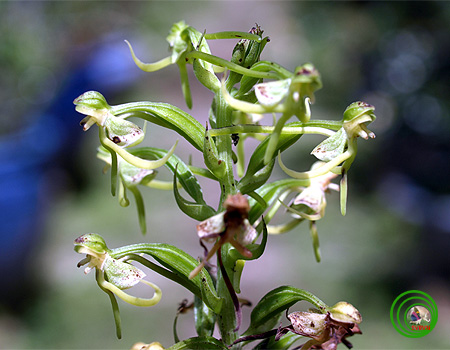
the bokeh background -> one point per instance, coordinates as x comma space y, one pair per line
395, 236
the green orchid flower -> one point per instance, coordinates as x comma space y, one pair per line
115, 133
113, 275
309, 204
339, 150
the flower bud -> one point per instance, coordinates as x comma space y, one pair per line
92, 242
94, 105
356, 116
94, 246
178, 42
345, 312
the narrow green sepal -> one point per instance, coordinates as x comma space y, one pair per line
122, 195
185, 86
343, 192
315, 240
206, 77
140, 208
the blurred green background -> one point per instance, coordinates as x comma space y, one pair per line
395, 236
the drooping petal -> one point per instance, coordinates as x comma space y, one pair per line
211, 227
121, 274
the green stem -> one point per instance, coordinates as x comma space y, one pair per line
227, 318
224, 151
232, 35
265, 129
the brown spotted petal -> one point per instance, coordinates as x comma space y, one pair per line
121, 274
272, 93
123, 132
209, 229
308, 324
247, 234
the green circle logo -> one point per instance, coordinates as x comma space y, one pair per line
414, 314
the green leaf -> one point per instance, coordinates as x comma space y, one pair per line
199, 343
249, 183
205, 319
180, 263
206, 76
167, 116
274, 303
197, 211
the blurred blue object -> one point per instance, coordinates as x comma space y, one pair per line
28, 156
